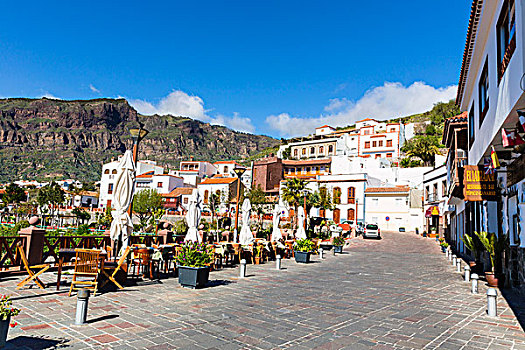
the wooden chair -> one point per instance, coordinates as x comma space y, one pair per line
86, 266
145, 261
120, 262
32, 275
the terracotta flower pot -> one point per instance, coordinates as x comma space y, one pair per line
257, 260
493, 280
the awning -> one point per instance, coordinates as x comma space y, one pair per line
434, 210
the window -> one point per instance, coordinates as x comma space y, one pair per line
106, 171
435, 191
389, 143
483, 92
303, 151
381, 143
159, 184
295, 152
374, 143
225, 169
185, 200
367, 144
114, 171
351, 195
206, 196
443, 188
321, 149
330, 149
337, 195
378, 156
312, 150
389, 155
392, 129
471, 126
351, 214
110, 188
366, 132
506, 34
307, 169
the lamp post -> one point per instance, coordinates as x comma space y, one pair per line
137, 135
304, 192
238, 172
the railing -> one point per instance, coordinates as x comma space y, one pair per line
9, 256
148, 240
53, 243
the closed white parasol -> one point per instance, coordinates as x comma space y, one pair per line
122, 198
301, 233
193, 217
276, 232
246, 236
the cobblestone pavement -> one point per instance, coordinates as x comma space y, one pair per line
394, 293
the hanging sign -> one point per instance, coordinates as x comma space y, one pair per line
478, 184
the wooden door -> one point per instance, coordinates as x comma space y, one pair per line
337, 216
351, 214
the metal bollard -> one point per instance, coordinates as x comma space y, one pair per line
467, 273
450, 256
492, 308
474, 283
454, 260
82, 306
321, 251
333, 251
447, 252
277, 262
458, 265
242, 272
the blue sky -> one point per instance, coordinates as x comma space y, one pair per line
272, 67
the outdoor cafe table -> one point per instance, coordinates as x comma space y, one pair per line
65, 255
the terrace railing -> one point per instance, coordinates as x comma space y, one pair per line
9, 256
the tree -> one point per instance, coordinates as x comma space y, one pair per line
14, 194
422, 147
257, 199
104, 220
81, 215
145, 204
292, 193
51, 196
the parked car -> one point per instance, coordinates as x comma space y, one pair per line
372, 231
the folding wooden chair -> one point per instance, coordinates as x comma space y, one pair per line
120, 262
32, 275
86, 266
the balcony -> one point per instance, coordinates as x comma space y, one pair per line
455, 178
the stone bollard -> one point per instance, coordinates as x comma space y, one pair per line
277, 262
458, 265
242, 271
454, 260
450, 256
321, 251
492, 308
474, 283
447, 252
82, 306
467, 273
333, 251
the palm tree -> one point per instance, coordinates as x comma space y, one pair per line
424, 148
292, 193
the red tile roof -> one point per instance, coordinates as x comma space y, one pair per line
324, 126
366, 120
218, 180
387, 189
146, 175
179, 191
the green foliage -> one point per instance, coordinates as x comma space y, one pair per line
180, 227
83, 230
7, 309
424, 147
20, 225
145, 204
292, 192
410, 163
304, 245
194, 254
14, 194
50, 194
494, 245
338, 241
105, 219
81, 214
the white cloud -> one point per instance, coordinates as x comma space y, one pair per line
94, 89
179, 103
49, 96
383, 102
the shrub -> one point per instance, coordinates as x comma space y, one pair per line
6, 309
338, 241
194, 254
304, 245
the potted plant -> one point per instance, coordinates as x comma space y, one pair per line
6, 312
473, 246
193, 263
257, 251
338, 243
495, 246
433, 232
443, 245
303, 249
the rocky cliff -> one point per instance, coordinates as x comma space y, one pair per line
44, 138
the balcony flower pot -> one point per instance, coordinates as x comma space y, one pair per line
494, 280
4, 328
338, 249
302, 257
193, 277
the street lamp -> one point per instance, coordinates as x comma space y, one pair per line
238, 172
137, 135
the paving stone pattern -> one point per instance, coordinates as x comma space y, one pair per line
396, 293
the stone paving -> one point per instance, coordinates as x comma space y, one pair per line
396, 293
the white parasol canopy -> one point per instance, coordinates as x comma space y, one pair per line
246, 236
193, 217
276, 232
122, 199
301, 233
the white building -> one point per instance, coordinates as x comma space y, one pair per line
435, 198
225, 186
194, 171
225, 167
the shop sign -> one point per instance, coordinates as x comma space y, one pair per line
478, 185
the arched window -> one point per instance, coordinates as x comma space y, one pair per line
337, 195
303, 151
206, 196
330, 149
321, 149
114, 171
295, 153
225, 169
351, 195
312, 150
351, 214
106, 171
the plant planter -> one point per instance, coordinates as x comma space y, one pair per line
257, 260
193, 277
302, 257
432, 235
338, 249
326, 247
443, 249
494, 280
4, 328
